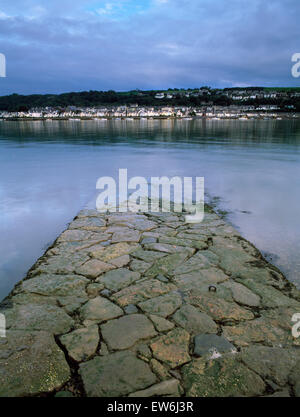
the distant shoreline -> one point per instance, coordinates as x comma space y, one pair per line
248, 116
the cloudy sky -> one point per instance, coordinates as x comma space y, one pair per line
72, 45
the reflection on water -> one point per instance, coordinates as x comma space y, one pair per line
49, 171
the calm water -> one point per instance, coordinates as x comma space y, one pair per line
49, 171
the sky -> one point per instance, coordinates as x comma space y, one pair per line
55, 46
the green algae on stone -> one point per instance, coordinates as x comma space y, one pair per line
159, 369
260, 330
115, 375
201, 260
106, 254
163, 306
169, 388
124, 332
93, 268
100, 309
242, 295
142, 291
30, 317
35, 364
202, 278
82, 343
167, 264
160, 323
126, 236
222, 377
119, 278
218, 308
147, 255
55, 285
172, 348
194, 321
139, 266
271, 363
120, 261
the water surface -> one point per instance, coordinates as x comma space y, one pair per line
49, 170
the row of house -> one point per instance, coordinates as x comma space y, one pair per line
237, 95
135, 111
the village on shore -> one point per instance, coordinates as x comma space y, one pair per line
154, 112
247, 103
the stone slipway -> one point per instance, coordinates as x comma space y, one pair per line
146, 305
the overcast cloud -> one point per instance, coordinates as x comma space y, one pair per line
72, 45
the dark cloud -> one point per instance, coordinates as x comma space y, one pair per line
80, 45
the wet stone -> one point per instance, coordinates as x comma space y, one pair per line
231, 259
242, 294
126, 236
192, 243
218, 308
170, 388
35, 365
144, 352
61, 264
93, 290
63, 394
130, 309
103, 349
113, 251
71, 304
105, 293
194, 321
88, 223
196, 279
280, 394
201, 260
167, 264
100, 309
162, 278
173, 348
121, 261
161, 324
56, 285
84, 298
148, 240
162, 247
163, 305
74, 236
81, 344
119, 278
142, 291
260, 330
271, 363
159, 369
294, 379
222, 377
209, 344
126, 331
115, 375
30, 317
139, 266
147, 255
270, 297
93, 268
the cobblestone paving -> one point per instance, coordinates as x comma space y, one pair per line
147, 305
